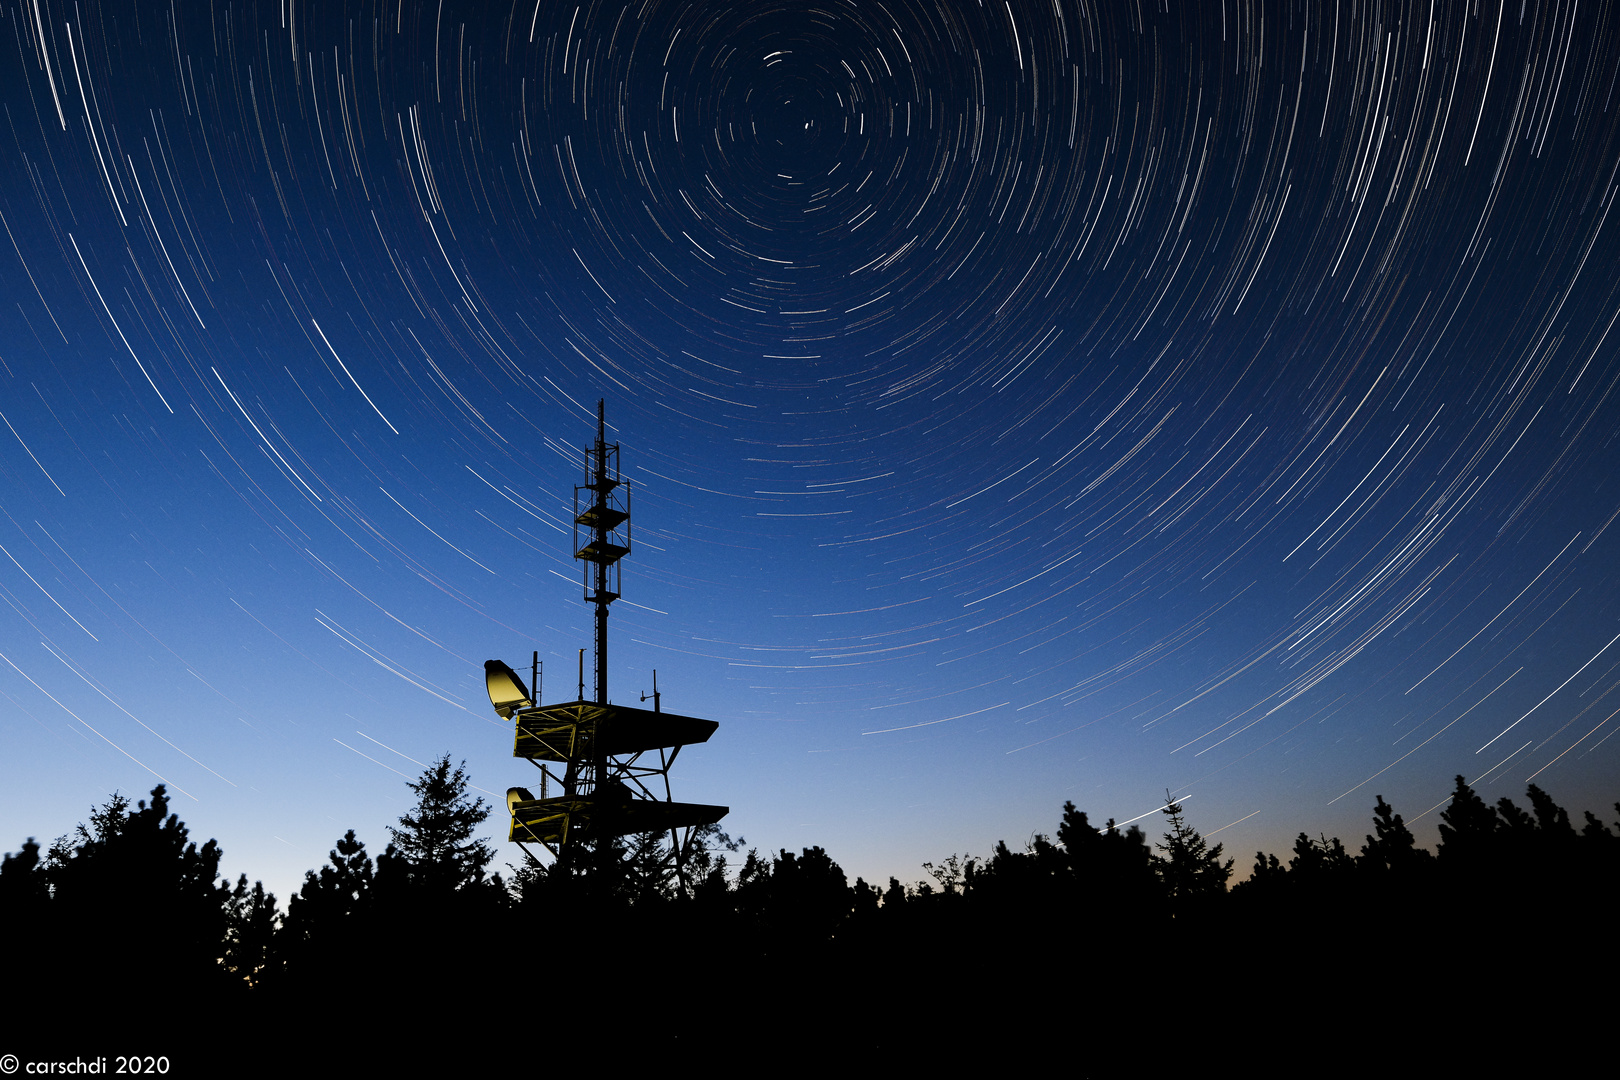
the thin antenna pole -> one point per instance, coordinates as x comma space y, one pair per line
600, 485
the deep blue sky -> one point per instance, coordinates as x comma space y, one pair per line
1023, 402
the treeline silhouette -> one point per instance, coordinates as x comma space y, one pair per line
125, 927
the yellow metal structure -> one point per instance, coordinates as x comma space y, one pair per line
575, 733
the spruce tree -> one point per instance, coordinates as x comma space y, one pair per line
1393, 848
1190, 869
1467, 827
252, 924
133, 893
435, 837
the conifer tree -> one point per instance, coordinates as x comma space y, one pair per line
141, 864
1393, 848
1515, 822
649, 867
329, 908
344, 883
1467, 827
1551, 819
1189, 868
250, 933
1320, 859
1267, 870
21, 883
435, 837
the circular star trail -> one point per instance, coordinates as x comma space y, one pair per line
1022, 402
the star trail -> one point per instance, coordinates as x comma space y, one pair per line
1022, 402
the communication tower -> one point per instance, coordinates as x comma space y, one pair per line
610, 762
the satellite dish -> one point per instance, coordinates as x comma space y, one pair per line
516, 795
506, 690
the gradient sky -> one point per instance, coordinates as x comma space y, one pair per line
1023, 402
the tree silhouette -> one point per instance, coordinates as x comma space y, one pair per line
328, 920
706, 861
1596, 832
796, 901
1467, 827
1393, 848
1268, 873
1320, 859
128, 896
1191, 870
21, 883
1517, 823
250, 933
134, 896
435, 837
433, 915
1551, 819
25, 902
953, 873
343, 885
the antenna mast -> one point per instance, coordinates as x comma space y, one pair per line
607, 511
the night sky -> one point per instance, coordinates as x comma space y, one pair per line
1022, 402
